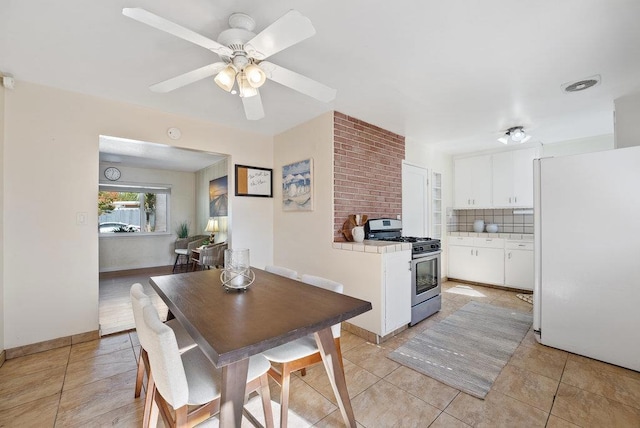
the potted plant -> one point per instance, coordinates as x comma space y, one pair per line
182, 230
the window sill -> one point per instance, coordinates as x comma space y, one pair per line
131, 235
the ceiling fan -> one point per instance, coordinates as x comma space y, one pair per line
515, 135
243, 68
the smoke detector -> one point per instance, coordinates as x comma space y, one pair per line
582, 84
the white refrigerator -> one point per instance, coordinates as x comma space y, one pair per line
587, 255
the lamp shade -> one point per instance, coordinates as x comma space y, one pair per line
246, 90
225, 79
255, 75
212, 226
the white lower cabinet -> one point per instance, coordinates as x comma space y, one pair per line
397, 290
477, 259
518, 265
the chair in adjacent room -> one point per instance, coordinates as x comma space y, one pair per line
212, 255
139, 299
183, 249
186, 387
282, 271
301, 353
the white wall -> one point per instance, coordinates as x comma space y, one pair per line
51, 160
120, 251
581, 145
627, 121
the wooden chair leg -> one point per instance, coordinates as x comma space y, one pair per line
284, 395
265, 394
175, 263
140, 374
148, 404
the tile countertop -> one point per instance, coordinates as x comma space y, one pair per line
520, 236
370, 246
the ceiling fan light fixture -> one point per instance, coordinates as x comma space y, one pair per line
515, 135
246, 90
255, 76
226, 78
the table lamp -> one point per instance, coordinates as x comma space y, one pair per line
212, 227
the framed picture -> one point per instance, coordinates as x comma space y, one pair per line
218, 197
254, 181
297, 186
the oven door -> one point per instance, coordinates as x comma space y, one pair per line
425, 277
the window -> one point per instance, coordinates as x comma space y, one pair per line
133, 209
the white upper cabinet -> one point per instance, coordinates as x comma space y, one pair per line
512, 178
472, 182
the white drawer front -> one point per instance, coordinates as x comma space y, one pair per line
489, 242
519, 245
467, 241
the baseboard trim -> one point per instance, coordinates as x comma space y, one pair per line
3, 357
21, 351
499, 287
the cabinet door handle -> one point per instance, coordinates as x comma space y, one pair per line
515, 199
476, 252
509, 199
521, 245
509, 257
468, 201
472, 251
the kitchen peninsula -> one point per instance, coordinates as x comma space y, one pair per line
378, 272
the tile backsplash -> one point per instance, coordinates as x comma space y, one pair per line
507, 221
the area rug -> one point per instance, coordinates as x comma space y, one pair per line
468, 349
526, 297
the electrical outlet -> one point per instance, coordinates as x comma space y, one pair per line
81, 218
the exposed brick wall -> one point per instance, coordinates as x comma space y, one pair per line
367, 177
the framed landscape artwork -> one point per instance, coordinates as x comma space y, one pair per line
218, 197
297, 186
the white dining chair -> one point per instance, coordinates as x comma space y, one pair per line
186, 387
282, 271
301, 353
139, 299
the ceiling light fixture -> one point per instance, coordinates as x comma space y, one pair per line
226, 78
249, 77
515, 135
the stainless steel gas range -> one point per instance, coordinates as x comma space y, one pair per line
425, 266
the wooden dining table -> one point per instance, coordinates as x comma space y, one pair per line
231, 326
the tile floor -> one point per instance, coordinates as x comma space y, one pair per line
91, 384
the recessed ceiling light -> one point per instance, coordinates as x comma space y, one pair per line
581, 84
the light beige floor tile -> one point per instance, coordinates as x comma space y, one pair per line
87, 402
358, 379
612, 385
334, 420
427, 389
349, 341
599, 365
37, 413
536, 360
496, 410
556, 422
17, 390
35, 362
306, 405
587, 409
372, 358
89, 370
447, 421
530, 341
528, 387
94, 348
384, 405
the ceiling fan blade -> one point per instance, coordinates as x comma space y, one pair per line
188, 78
253, 107
162, 24
291, 28
298, 82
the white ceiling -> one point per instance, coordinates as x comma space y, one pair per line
451, 73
